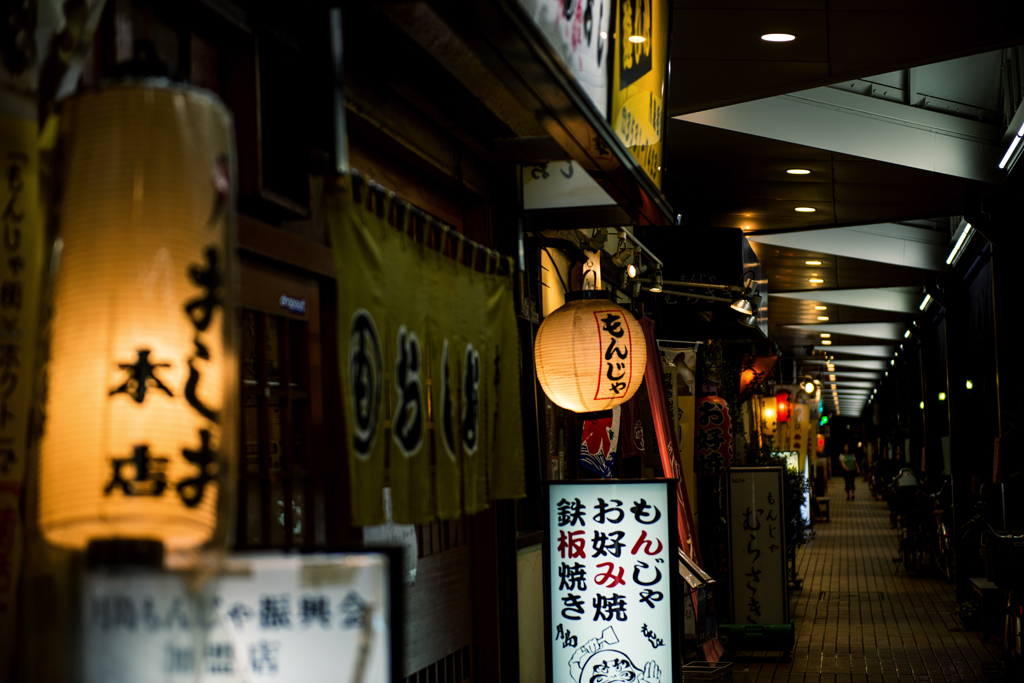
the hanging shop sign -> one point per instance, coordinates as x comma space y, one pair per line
610, 582
315, 618
639, 70
412, 321
590, 353
141, 420
577, 30
712, 441
23, 229
757, 546
753, 372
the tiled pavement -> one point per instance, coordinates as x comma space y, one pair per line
858, 621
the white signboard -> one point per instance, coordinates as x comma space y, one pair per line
610, 572
578, 32
757, 546
265, 618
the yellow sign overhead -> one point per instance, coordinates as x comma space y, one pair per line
639, 81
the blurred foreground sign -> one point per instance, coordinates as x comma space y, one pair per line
313, 618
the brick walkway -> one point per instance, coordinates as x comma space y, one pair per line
857, 621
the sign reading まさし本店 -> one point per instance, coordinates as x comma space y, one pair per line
609, 578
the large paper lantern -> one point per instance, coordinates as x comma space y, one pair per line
783, 406
590, 353
140, 432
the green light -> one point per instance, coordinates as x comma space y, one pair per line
824, 421
921, 405
970, 384
942, 395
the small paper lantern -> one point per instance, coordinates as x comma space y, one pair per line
782, 406
141, 427
590, 353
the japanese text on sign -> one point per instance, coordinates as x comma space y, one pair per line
610, 606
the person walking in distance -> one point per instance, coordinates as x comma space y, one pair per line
848, 461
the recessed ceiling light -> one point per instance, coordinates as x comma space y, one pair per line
821, 308
778, 37
815, 280
640, 39
826, 342
822, 318
805, 209
798, 171
812, 263
825, 335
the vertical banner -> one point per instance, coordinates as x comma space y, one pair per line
19, 306
610, 582
639, 74
601, 441
425, 342
757, 546
712, 441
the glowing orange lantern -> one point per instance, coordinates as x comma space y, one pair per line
141, 426
783, 406
590, 353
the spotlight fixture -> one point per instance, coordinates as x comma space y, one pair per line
821, 308
805, 209
808, 386
778, 37
597, 242
822, 318
826, 342
812, 263
798, 171
826, 335
742, 305
656, 281
632, 270
624, 256
942, 395
921, 405
970, 384
749, 320
815, 280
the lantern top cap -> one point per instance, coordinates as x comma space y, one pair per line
588, 294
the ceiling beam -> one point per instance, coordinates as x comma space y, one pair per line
892, 243
868, 127
892, 299
893, 331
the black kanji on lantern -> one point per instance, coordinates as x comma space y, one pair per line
149, 479
191, 490
141, 377
208, 278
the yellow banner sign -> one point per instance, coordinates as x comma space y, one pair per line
639, 79
429, 359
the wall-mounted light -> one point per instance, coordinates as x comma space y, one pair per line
942, 395
970, 384
961, 244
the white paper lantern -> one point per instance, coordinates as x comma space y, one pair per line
590, 353
140, 432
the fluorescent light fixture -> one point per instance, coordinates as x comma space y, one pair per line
906, 335
815, 280
826, 335
892, 362
924, 304
822, 318
821, 308
942, 395
826, 342
778, 37
805, 209
798, 171
831, 378
636, 39
1010, 150
812, 263
960, 243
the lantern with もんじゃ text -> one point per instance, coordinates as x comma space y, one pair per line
590, 353
141, 428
